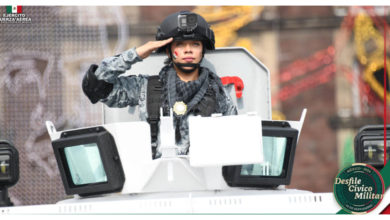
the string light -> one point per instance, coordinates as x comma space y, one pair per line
304, 66
317, 78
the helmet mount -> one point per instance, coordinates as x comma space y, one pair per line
186, 25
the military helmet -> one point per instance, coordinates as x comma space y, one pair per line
186, 25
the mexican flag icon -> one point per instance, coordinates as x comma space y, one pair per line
14, 9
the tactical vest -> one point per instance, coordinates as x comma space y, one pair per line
205, 107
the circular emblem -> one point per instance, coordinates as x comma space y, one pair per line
180, 108
359, 188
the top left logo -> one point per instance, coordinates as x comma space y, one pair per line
14, 14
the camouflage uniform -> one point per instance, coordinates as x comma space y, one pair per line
131, 91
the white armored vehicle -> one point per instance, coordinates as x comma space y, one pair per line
242, 167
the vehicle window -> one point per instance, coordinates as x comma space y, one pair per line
85, 164
274, 149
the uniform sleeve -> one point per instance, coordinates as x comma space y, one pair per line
126, 89
112, 67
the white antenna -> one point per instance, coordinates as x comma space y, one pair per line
51, 130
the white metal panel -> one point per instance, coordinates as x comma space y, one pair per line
133, 143
227, 140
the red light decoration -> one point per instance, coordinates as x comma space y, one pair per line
302, 67
315, 79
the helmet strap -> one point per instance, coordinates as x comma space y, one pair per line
193, 66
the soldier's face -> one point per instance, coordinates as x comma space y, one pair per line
188, 51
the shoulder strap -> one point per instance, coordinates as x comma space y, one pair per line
153, 102
207, 105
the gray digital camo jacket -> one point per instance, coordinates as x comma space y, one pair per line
131, 91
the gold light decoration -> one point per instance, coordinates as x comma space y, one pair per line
369, 46
370, 78
369, 42
227, 20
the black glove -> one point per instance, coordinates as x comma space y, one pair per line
93, 88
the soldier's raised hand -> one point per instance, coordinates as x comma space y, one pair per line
146, 49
